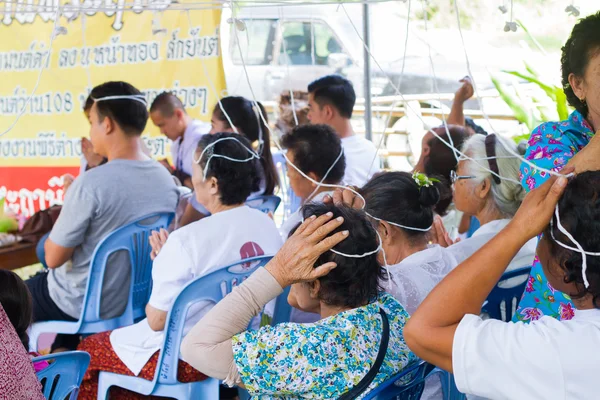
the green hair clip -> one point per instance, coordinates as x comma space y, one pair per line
423, 180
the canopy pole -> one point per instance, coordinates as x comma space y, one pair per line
367, 72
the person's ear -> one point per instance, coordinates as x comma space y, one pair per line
214, 185
577, 85
314, 177
329, 112
109, 125
314, 288
386, 232
484, 188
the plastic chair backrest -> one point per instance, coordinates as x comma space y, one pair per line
61, 379
290, 200
132, 238
509, 297
449, 389
266, 204
408, 384
212, 287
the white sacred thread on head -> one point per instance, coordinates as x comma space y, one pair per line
578, 249
136, 97
210, 152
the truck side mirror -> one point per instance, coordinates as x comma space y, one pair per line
338, 61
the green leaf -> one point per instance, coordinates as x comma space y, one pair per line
532, 79
534, 40
561, 104
512, 101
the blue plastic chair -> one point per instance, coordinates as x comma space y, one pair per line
408, 384
61, 379
509, 297
132, 238
290, 200
266, 204
449, 389
212, 287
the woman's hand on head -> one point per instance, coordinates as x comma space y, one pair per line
295, 261
537, 208
157, 241
345, 197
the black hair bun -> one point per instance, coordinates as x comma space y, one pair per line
429, 196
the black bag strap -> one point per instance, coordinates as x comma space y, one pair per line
368, 378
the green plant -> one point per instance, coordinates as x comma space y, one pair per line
534, 110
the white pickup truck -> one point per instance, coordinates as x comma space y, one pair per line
287, 47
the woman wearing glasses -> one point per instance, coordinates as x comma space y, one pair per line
493, 198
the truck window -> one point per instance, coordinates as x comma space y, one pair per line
256, 42
298, 39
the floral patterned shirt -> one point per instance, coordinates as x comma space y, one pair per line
551, 145
322, 360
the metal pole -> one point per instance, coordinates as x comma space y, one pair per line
367, 72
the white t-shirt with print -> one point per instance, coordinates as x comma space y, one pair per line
362, 161
545, 359
191, 252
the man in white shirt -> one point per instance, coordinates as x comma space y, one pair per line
331, 102
315, 150
169, 115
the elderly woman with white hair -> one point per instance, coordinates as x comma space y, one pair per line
486, 185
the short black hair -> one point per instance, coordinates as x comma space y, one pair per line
441, 161
16, 301
336, 91
355, 282
87, 105
246, 119
131, 115
316, 148
236, 180
469, 123
166, 103
582, 45
579, 211
396, 197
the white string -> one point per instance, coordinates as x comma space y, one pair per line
83, 42
326, 174
394, 103
487, 118
210, 81
188, 6
136, 97
287, 65
408, 105
210, 146
435, 83
39, 78
237, 40
579, 249
411, 228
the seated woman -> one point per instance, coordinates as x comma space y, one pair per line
492, 200
547, 358
403, 213
18, 379
438, 161
233, 232
314, 150
323, 360
16, 301
245, 118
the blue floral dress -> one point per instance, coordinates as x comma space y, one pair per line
324, 359
551, 145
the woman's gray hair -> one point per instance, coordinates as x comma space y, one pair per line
507, 195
